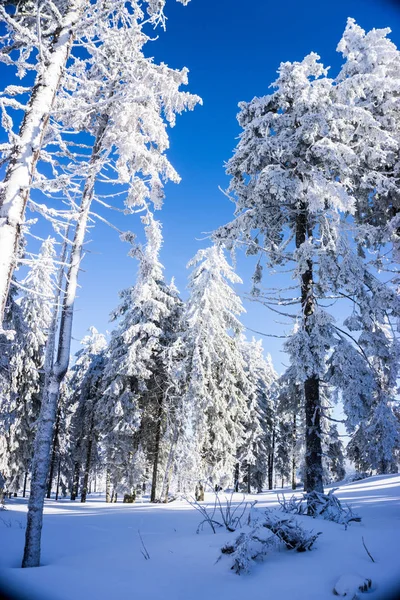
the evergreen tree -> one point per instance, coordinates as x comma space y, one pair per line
27, 361
212, 370
257, 451
85, 385
135, 380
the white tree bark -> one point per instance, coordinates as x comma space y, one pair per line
15, 188
48, 413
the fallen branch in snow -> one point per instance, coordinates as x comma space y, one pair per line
144, 551
253, 545
315, 504
366, 550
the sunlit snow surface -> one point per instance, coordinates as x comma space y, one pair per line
94, 551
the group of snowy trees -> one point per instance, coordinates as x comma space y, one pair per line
315, 180
177, 398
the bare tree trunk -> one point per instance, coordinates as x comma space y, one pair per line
313, 456
248, 478
75, 481
236, 477
53, 454
170, 464
294, 439
108, 486
58, 478
25, 481
25, 154
87, 466
157, 442
271, 462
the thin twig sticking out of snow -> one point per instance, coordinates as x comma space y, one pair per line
366, 550
144, 551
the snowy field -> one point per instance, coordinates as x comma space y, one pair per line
94, 551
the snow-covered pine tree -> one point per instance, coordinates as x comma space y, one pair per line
133, 411
290, 408
335, 454
26, 364
258, 446
85, 393
285, 180
292, 176
370, 81
211, 368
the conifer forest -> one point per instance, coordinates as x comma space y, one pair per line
201, 384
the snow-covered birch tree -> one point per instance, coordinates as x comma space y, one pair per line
126, 106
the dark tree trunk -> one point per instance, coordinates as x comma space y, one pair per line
248, 478
271, 462
25, 481
58, 478
75, 483
87, 464
156, 460
313, 455
53, 454
236, 478
294, 439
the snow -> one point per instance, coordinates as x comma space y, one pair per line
94, 551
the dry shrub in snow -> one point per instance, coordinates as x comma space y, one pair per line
315, 504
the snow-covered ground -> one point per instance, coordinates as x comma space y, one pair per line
94, 551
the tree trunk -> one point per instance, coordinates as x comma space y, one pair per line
271, 462
53, 454
25, 154
248, 478
58, 478
75, 481
108, 486
236, 477
157, 442
87, 467
25, 481
294, 439
313, 455
40, 472
170, 465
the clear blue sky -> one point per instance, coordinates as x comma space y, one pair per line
232, 49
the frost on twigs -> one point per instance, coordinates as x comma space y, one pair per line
325, 506
256, 543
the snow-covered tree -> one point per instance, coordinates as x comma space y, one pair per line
43, 37
26, 364
85, 394
290, 409
256, 454
107, 94
135, 380
211, 369
292, 177
370, 81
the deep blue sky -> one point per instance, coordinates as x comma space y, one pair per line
232, 49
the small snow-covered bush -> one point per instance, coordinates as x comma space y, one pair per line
315, 504
257, 542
